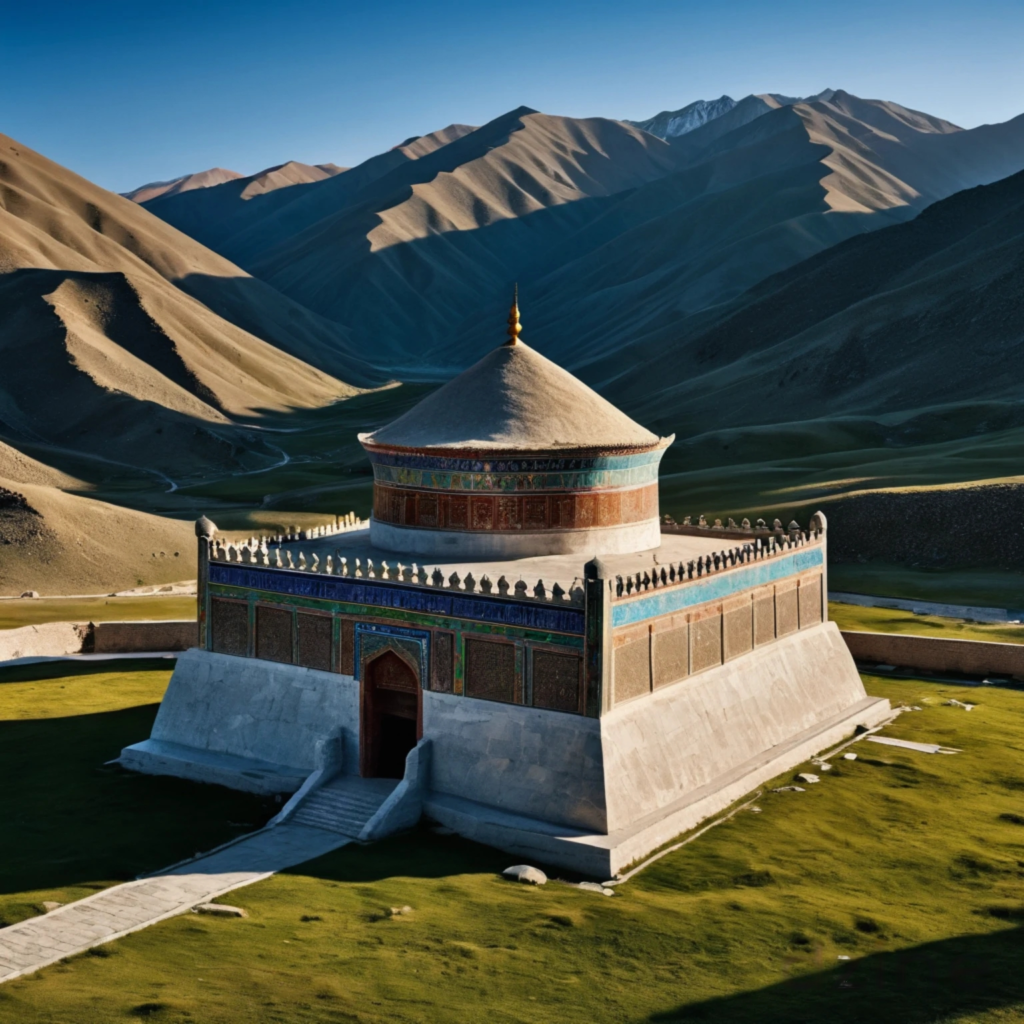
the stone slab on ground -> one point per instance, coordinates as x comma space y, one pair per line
29, 945
47, 639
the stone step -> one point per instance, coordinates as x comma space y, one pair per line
345, 799
343, 807
344, 828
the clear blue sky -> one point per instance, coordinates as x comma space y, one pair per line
125, 93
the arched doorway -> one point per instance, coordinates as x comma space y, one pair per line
391, 718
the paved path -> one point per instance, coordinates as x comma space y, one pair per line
121, 909
953, 611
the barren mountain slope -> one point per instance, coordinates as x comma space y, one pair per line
54, 219
417, 250
769, 194
58, 543
184, 183
922, 315
104, 354
244, 230
615, 236
213, 215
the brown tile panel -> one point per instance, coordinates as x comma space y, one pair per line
229, 627
737, 630
705, 643
810, 601
314, 640
786, 611
347, 648
632, 668
442, 510
764, 618
671, 655
274, 634
556, 681
490, 669
442, 653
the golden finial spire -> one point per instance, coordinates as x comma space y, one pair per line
514, 330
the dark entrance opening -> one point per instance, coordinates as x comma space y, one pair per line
391, 716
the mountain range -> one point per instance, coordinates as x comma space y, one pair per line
756, 276
614, 234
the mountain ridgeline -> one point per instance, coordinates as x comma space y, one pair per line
616, 236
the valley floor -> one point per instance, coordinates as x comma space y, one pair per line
906, 863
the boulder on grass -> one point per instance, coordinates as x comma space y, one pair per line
525, 873
219, 910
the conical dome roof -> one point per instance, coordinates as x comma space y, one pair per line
514, 399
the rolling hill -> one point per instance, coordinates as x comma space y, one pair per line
136, 358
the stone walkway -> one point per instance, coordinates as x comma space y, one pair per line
122, 909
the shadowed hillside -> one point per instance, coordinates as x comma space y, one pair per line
134, 358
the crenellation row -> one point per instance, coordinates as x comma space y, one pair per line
717, 561
341, 524
258, 552
744, 526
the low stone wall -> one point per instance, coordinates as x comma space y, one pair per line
932, 654
126, 637
47, 640
56, 639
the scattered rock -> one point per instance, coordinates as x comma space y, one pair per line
959, 704
754, 810
842, 956
825, 766
849, 757
596, 887
808, 777
915, 707
219, 910
31, 593
524, 873
399, 911
790, 789
49, 905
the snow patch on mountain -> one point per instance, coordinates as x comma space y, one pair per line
670, 123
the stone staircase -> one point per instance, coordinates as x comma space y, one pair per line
343, 805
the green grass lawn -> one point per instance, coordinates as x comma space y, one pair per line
911, 865
889, 620
32, 611
72, 825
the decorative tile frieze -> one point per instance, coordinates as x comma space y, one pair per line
430, 510
428, 601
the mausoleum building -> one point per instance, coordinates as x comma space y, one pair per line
515, 457
515, 647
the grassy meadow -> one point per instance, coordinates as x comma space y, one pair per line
71, 824
911, 865
891, 620
33, 611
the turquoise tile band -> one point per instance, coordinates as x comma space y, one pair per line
654, 603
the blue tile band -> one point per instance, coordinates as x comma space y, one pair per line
382, 594
654, 603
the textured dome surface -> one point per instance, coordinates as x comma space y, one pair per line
514, 399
